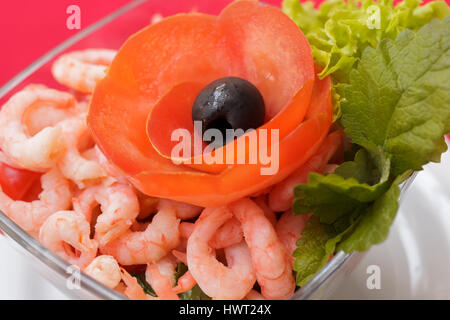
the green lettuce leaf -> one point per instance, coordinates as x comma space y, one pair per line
354, 184
367, 225
339, 31
317, 244
399, 97
373, 225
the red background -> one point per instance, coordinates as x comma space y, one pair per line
30, 28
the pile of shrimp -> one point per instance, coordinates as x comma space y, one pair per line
89, 215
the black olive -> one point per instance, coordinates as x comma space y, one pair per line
229, 103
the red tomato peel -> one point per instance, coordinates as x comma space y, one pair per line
16, 182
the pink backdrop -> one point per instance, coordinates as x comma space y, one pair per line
30, 28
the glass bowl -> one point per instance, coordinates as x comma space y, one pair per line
111, 32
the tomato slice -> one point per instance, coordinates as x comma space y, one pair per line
275, 54
151, 62
16, 182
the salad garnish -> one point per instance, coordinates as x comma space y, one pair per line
395, 109
338, 31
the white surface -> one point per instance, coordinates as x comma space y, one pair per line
19, 280
414, 261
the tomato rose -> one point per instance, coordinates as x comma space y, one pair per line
150, 87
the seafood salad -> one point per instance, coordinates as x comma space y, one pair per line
230, 156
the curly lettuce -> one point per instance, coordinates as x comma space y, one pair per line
339, 31
397, 111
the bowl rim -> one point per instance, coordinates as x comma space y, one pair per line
57, 264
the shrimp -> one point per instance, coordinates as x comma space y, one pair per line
261, 201
81, 70
186, 229
254, 295
181, 256
160, 237
105, 270
40, 116
73, 165
289, 229
161, 276
228, 234
56, 195
41, 151
282, 195
185, 283
270, 259
66, 233
132, 288
119, 207
215, 279
184, 211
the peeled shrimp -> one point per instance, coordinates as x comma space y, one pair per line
132, 288
56, 195
270, 259
72, 164
282, 195
254, 295
159, 238
262, 202
185, 283
215, 279
105, 270
66, 233
230, 233
184, 211
119, 207
81, 70
181, 256
289, 229
161, 277
41, 151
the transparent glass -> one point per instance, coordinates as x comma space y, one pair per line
111, 32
